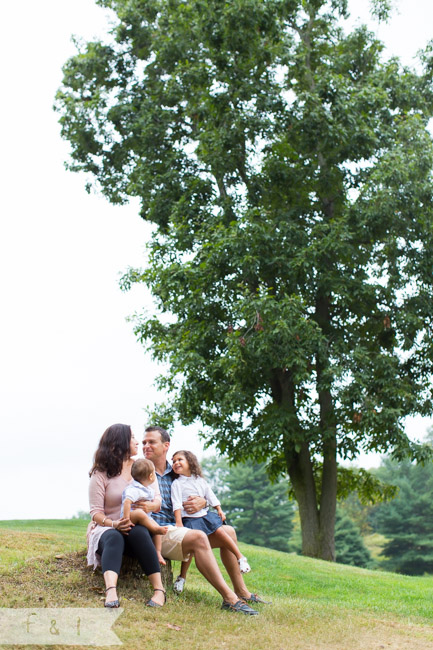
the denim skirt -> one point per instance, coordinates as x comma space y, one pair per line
208, 523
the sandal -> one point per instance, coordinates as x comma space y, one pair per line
151, 603
111, 603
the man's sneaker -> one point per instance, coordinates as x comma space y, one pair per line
254, 598
239, 606
179, 584
243, 565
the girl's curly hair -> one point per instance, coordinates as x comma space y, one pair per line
194, 465
113, 449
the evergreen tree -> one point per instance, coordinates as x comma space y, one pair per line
349, 545
259, 510
407, 520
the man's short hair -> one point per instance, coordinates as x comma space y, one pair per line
163, 433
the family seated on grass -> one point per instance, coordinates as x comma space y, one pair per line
151, 510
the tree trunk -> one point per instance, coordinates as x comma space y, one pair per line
299, 465
317, 525
317, 519
301, 475
328, 501
328, 495
130, 566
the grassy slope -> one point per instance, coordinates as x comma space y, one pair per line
21, 541
315, 604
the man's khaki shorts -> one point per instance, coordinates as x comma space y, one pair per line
172, 544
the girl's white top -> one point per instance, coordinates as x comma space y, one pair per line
189, 486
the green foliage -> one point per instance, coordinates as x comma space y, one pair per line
367, 486
381, 9
407, 521
349, 545
82, 514
286, 167
258, 509
358, 511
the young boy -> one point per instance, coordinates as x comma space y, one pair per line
143, 473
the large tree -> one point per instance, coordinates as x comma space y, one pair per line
286, 167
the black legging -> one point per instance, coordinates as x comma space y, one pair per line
137, 543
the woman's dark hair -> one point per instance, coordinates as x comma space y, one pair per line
194, 465
114, 447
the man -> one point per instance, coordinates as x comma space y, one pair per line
180, 543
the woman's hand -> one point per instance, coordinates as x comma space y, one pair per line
221, 513
123, 525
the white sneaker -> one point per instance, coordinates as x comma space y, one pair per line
179, 584
243, 565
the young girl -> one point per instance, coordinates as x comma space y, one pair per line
190, 482
143, 473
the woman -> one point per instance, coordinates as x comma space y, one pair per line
108, 535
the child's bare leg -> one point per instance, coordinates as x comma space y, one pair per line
223, 539
139, 517
184, 568
179, 583
157, 540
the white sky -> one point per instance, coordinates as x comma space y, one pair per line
69, 362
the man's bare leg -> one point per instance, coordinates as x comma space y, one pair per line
232, 566
197, 542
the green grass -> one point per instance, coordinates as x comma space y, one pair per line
316, 604
24, 540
